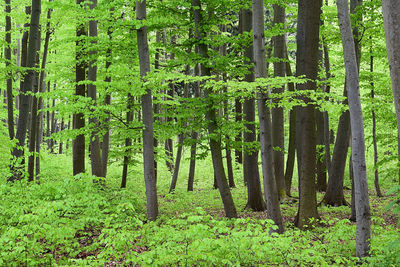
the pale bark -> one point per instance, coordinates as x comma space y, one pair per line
270, 189
357, 133
391, 19
7, 57
147, 109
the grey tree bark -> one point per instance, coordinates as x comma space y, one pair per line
270, 189
391, 19
211, 116
278, 133
251, 175
363, 214
147, 109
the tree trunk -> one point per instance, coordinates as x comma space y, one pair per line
376, 174
95, 153
211, 116
277, 112
357, 133
264, 114
147, 109
307, 64
128, 142
250, 158
321, 162
391, 18
177, 163
78, 144
292, 134
7, 57
27, 88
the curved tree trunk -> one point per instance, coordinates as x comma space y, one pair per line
363, 214
270, 189
211, 116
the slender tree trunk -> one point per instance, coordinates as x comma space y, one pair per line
391, 18
277, 112
363, 214
105, 146
33, 128
147, 109
307, 64
211, 116
250, 158
78, 144
128, 142
376, 174
177, 163
321, 162
292, 134
264, 114
95, 152
7, 57
27, 88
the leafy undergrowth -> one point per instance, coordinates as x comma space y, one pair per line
72, 221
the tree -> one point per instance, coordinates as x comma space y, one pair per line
147, 109
27, 88
357, 133
307, 64
391, 18
7, 57
78, 144
264, 114
278, 134
250, 156
95, 153
211, 116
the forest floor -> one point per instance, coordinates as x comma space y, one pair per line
71, 221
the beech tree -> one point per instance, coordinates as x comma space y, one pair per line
363, 214
147, 109
391, 18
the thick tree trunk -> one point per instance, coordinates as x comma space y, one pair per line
7, 57
307, 64
27, 88
391, 18
95, 153
264, 114
211, 116
357, 133
278, 133
250, 156
78, 144
147, 109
